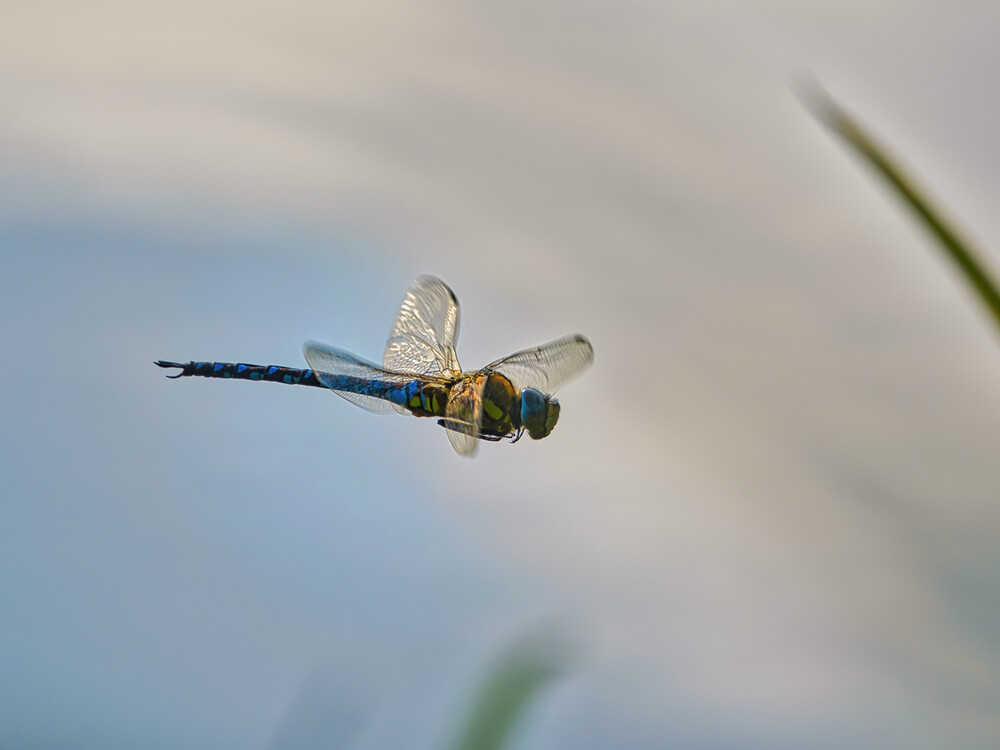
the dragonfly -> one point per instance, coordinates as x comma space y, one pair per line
420, 374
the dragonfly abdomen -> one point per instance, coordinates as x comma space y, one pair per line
241, 371
420, 398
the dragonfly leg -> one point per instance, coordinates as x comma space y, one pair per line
458, 426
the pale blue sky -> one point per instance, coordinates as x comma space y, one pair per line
768, 515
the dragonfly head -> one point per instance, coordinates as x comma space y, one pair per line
539, 413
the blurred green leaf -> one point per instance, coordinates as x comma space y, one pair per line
954, 246
508, 691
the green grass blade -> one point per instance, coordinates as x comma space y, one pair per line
956, 247
507, 692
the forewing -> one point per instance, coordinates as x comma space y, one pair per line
351, 377
463, 415
548, 366
422, 339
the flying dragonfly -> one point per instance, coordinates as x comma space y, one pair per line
420, 374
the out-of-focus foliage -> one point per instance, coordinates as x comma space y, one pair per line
956, 247
508, 690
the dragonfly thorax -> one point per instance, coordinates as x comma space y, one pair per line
500, 406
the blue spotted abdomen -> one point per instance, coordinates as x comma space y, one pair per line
241, 371
422, 399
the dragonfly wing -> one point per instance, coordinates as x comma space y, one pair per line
548, 366
463, 415
423, 336
352, 377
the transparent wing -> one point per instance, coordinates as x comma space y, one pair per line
353, 378
548, 366
463, 415
422, 339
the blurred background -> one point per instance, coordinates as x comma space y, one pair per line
769, 515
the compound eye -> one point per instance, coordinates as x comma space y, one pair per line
538, 413
552, 416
